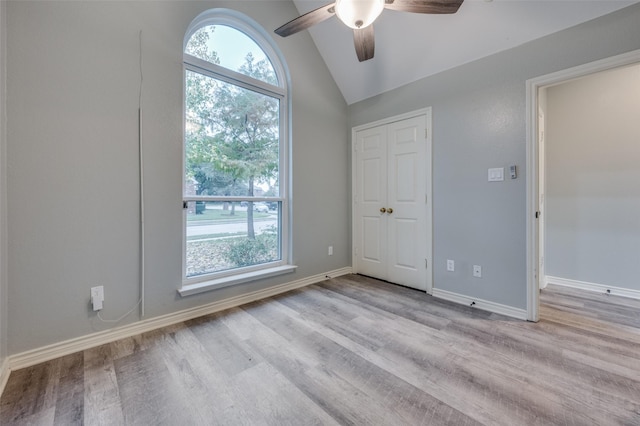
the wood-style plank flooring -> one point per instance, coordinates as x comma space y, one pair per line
353, 350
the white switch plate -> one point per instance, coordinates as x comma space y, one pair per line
496, 174
477, 271
330, 251
451, 265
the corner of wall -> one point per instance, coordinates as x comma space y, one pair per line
4, 370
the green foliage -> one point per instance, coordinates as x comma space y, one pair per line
198, 45
241, 252
212, 181
246, 126
260, 70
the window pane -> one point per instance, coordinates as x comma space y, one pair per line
232, 49
225, 236
232, 138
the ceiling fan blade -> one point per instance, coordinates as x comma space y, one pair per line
307, 20
424, 6
364, 42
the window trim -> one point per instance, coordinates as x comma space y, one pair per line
253, 30
199, 66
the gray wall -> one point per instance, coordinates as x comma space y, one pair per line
479, 122
72, 161
4, 312
593, 179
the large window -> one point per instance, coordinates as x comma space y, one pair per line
235, 194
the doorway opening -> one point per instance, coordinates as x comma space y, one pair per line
537, 120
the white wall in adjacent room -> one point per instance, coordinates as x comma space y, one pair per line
593, 179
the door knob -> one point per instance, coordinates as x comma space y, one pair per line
382, 210
389, 210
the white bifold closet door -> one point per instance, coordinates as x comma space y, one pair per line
392, 211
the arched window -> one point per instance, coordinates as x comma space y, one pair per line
236, 153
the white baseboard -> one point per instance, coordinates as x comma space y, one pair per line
5, 371
56, 350
544, 282
485, 305
598, 288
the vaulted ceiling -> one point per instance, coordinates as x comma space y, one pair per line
410, 46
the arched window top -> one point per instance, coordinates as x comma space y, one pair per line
226, 46
231, 40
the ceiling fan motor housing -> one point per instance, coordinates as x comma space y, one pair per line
358, 13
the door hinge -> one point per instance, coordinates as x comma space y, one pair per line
185, 205
426, 133
426, 264
537, 215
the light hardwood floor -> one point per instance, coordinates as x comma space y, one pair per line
353, 350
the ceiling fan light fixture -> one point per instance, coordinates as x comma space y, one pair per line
358, 13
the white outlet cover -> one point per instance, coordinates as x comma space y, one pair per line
97, 297
477, 271
451, 265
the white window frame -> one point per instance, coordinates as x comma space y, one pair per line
244, 24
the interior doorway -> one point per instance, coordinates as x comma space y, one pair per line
537, 120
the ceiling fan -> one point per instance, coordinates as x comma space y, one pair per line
360, 14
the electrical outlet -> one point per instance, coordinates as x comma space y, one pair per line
97, 297
330, 251
477, 271
451, 265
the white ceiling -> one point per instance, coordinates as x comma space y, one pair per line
410, 46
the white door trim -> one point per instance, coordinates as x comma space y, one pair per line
533, 162
388, 120
426, 112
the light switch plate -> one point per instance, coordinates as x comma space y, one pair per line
496, 174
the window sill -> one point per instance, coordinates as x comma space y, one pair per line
201, 287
